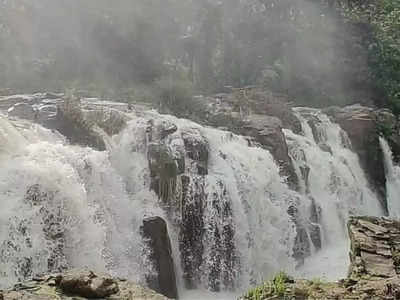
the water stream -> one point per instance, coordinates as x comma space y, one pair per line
67, 206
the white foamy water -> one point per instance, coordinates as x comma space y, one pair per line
392, 180
97, 201
337, 184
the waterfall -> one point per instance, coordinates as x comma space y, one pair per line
332, 177
63, 207
233, 221
392, 180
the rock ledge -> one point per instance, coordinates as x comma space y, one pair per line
79, 284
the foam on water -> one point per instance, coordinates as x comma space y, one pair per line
337, 184
392, 180
98, 201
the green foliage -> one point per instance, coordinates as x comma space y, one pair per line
383, 18
385, 129
276, 287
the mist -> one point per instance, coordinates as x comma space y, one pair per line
299, 48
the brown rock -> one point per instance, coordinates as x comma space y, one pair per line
87, 284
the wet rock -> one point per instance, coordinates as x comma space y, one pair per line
314, 226
301, 247
192, 228
258, 114
164, 169
267, 131
197, 149
71, 122
155, 232
23, 111
167, 128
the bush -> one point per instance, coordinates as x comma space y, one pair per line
382, 18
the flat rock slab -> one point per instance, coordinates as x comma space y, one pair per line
75, 285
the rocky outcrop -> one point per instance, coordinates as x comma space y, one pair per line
267, 132
86, 122
375, 248
155, 232
374, 271
79, 285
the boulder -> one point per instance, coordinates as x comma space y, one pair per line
155, 233
87, 284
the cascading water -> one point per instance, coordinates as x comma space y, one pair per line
332, 177
63, 206
232, 219
392, 180
240, 203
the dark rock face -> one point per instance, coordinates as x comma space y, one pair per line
76, 284
192, 228
71, 123
155, 232
197, 150
258, 114
178, 161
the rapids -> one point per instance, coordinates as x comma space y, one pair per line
66, 206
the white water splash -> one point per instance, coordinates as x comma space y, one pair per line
337, 184
102, 198
97, 221
392, 180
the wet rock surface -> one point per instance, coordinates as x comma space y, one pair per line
155, 232
363, 129
79, 284
260, 116
82, 121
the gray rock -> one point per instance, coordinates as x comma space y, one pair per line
267, 131
155, 232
